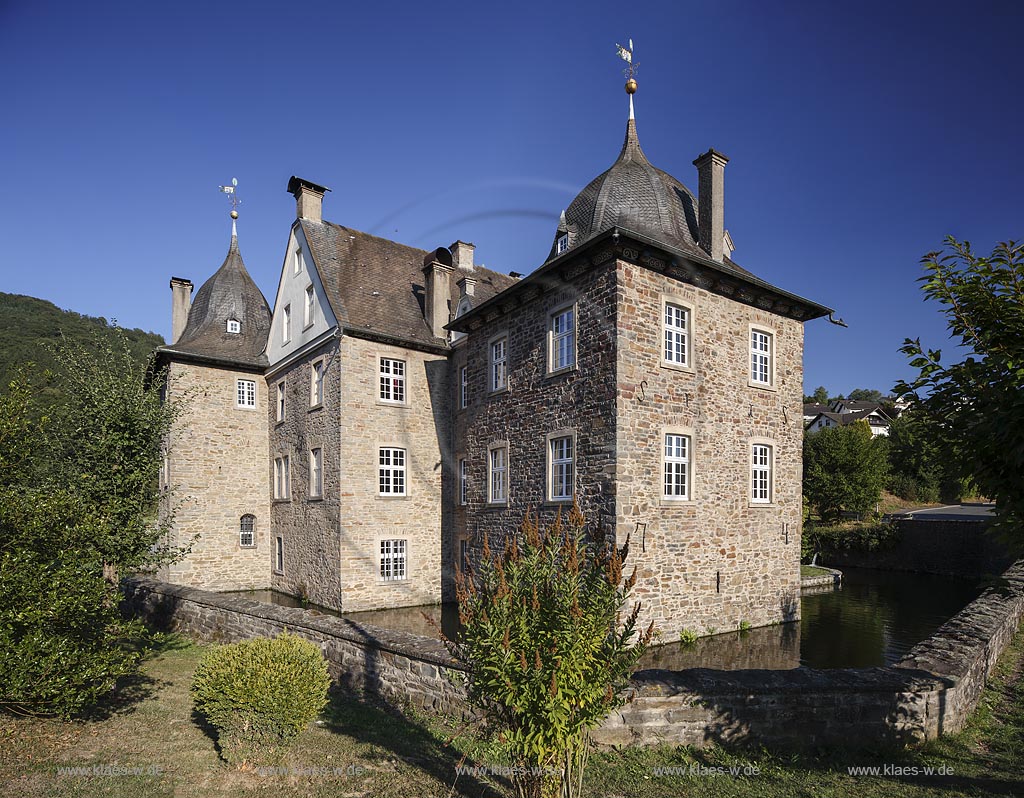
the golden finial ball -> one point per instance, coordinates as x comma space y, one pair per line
631, 86
234, 214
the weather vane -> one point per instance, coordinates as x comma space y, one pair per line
626, 54
232, 192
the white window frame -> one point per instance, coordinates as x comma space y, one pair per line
316, 472
497, 474
394, 560
286, 324
672, 334
558, 464
279, 554
317, 370
463, 482
245, 394
562, 244
392, 471
391, 380
463, 387
761, 474
761, 356
556, 337
497, 367
251, 532
282, 478
671, 460
309, 307
234, 326
280, 405
299, 261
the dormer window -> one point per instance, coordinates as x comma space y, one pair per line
234, 326
562, 244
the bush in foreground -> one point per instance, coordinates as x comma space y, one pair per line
260, 694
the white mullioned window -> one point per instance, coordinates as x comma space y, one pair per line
464, 386
497, 475
309, 313
280, 401
392, 380
245, 393
316, 473
393, 560
234, 326
761, 473
316, 384
677, 466
563, 339
282, 477
300, 263
499, 364
562, 479
391, 471
247, 531
677, 335
563, 244
463, 482
286, 324
761, 357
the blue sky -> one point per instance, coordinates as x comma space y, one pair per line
860, 134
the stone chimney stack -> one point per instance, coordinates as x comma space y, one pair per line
466, 286
437, 271
181, 301
462, 255
309, 199
711, 202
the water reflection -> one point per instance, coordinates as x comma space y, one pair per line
873, 619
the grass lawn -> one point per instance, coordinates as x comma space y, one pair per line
361, 749
814, 570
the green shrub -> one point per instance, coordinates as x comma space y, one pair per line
688, 637
259, 694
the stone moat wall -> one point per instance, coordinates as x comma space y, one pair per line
929, 693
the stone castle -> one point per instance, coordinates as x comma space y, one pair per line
396, 407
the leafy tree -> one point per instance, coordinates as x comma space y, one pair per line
819, 397
915, 460
77, 492
975, 406
845, 468
547, 648
865, 395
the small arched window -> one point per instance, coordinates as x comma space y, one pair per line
234, 326
247, 531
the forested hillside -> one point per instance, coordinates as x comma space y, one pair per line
29, 325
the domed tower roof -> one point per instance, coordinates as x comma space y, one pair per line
230, 295
634, 195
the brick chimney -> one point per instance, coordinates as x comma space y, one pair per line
181, 301
309, 199
711, 202
437, 270
462, 255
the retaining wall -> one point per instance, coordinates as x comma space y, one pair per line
928, 693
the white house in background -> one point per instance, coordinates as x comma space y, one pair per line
847, 411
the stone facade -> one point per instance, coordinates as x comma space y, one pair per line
216, 464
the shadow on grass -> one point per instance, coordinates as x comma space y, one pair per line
370, 720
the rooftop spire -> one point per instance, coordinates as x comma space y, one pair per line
626, 54
232, 193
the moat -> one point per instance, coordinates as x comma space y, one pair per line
874, 619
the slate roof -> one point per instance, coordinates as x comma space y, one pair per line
229, 294
814, 409
376, 286
844, 419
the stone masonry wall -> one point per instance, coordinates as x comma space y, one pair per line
420, 426
308, 526
718, 559
215, 467
930, 692
580, 401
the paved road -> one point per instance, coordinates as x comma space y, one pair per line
952, 512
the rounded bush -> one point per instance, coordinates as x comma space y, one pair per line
260, 693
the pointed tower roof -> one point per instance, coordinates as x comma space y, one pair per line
634, 195
229, 295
